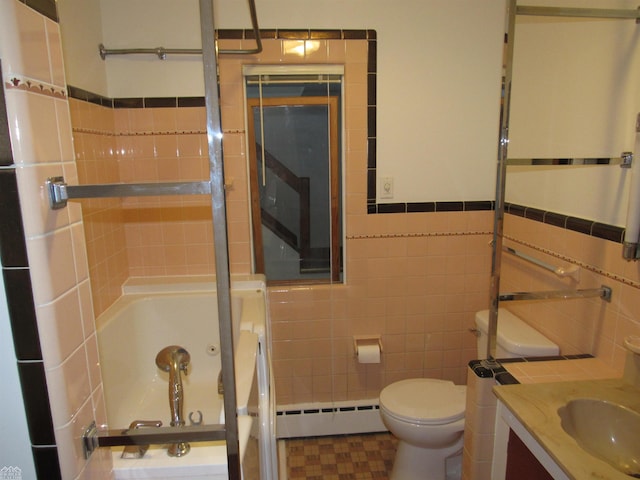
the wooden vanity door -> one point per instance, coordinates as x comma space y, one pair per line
521, 463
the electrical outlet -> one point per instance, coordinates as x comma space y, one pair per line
386, 187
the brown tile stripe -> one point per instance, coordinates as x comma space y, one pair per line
344, 457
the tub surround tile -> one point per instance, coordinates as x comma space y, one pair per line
93, 362
98, 466
68, 386
31, 47
99, 408
6, 157
65, 139
69, 441
34, 116
53, 271
54, 44
39, 125
46, 462
86, 309
38, 216
36, 399
79, 253
22, 314
60, 322
13, 250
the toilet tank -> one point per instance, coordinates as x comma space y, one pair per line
515, 337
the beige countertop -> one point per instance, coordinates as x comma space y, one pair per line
536, 406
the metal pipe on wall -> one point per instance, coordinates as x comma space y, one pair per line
162, 52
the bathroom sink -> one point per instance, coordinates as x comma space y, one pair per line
605, 430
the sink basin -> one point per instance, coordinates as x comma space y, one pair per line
606, 430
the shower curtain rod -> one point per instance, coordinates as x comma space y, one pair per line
578, 12
162, 52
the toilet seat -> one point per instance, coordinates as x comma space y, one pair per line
424, 401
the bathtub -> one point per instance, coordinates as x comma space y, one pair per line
156, 312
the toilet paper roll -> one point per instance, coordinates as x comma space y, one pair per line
369, 353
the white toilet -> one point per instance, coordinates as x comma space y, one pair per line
427, 415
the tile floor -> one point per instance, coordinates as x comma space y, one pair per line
344, 457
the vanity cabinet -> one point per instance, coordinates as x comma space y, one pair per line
521, 463
517, 455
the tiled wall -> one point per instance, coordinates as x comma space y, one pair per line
95, 146
577, 326
142, 141
416, 278
43, 254
418, 283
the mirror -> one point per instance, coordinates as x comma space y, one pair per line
574, 95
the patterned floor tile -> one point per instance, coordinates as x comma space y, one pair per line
344, 457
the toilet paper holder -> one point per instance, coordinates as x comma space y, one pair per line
359, 340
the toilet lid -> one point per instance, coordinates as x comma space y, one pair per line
424, 400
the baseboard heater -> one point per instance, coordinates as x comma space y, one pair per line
315, 420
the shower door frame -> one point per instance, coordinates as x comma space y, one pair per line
59, 192
513, 10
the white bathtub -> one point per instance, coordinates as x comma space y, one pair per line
155, 313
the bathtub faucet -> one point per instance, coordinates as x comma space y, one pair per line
174, 359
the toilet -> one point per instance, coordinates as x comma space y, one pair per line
427, 415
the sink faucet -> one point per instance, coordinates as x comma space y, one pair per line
174, 359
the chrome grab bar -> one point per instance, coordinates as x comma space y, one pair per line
59, 192
93, 438
572, 271
603, 292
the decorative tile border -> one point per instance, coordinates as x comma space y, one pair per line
581, 225
415, 235
503, 377
105, 133
20, 82
426, 207
22, 313
573, 261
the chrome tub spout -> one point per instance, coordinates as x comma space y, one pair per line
174, 359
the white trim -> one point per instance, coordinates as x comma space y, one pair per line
531, 443
338, 418
320, 69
